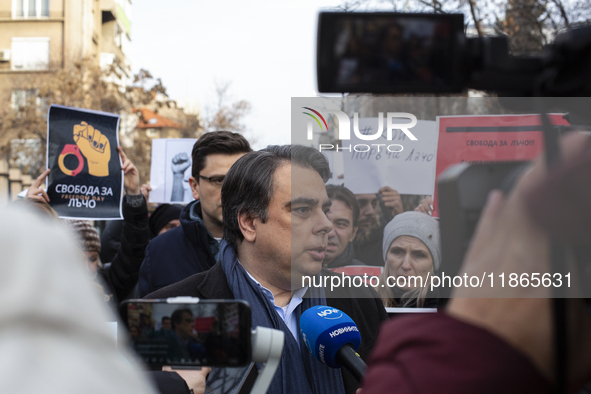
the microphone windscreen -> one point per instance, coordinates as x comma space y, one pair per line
325, 330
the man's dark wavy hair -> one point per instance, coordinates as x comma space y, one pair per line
222, 142
346, 196
248, 186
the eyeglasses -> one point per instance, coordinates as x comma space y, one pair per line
216, 181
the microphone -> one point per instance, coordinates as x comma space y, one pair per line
333, 338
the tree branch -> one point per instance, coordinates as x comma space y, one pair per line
562, 11
476, 21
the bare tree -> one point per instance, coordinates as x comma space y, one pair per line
149, 92
226, 115
81, 84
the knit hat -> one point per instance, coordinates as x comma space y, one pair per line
87, 235
418, 225
161, 216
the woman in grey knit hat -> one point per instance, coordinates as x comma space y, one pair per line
412, 254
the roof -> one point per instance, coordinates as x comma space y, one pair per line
151, 120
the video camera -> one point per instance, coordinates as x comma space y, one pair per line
397, 53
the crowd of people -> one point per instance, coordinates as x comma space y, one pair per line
263, 220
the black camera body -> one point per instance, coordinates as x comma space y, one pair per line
394, 53
390, 53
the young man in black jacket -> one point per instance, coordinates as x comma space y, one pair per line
193, 246
275, 227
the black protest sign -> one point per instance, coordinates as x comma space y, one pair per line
86, 181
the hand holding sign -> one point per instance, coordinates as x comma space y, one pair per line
36, 190
392, 200
425, 206
146, 189
95, 147
131, 179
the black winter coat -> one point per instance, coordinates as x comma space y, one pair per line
176, 254
121, 275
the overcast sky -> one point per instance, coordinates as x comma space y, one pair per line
265, 48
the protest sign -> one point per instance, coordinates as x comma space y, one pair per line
170, 170
86, 181
335, 162
408, 171
359, 270
489, 139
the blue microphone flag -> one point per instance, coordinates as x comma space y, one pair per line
325, 330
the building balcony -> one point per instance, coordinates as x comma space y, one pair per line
112, 10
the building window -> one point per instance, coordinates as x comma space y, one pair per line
30, 8
22, 97
152, 133
24, 100
30, 53
118, 36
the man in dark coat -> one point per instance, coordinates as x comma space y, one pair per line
275, 227
193, 246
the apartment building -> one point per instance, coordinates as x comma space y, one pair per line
40, 36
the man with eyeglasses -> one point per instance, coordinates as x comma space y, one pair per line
193, 246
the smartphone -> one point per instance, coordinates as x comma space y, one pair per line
385, 52
189, 332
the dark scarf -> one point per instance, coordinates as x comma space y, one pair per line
299, 372
344, 259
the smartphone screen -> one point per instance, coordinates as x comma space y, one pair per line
389, 52
207, 333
